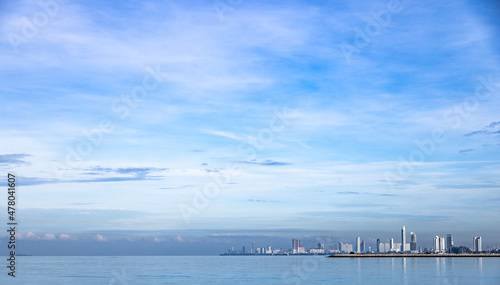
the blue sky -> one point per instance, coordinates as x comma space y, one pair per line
340, 116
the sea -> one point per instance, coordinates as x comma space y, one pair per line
121, 270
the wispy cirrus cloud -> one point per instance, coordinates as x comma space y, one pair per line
102, 174
491, 129
371, 215
267, 162
469, 186
176, 187
366, 193
262, 201
14, 159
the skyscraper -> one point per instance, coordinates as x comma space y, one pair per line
358, 244
413, 241
295, 245
391, 244
403, 239
449, 243
438, 244
477, 244
441, 244
363, 248
378, 245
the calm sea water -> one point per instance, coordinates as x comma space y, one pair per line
252, 270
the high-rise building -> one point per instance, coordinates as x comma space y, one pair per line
438, 244
345, 247
403, 239
386, 246
441, 244
378, 245
391, 244
449, 243
413, 241
295, 246
363, 248
358, 244
477, 245
397, 246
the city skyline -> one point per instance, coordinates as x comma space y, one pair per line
184, 127
439, 245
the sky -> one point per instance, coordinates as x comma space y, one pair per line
188, 127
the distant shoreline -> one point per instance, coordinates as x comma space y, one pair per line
369, 255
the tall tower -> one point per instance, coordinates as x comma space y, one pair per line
441, 245
403, 239
295, 245
391, 244
413, 241
435, 245
358, 244
449, 243
378, 245
477, 244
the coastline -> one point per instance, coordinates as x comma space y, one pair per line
447, 255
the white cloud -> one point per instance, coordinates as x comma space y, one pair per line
100, 238
49, 237
66, 237
157, 239
46, 236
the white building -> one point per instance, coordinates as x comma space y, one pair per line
385, 247
397, 247
438, 245
477, 245
345, 247
316, 250
403, 239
